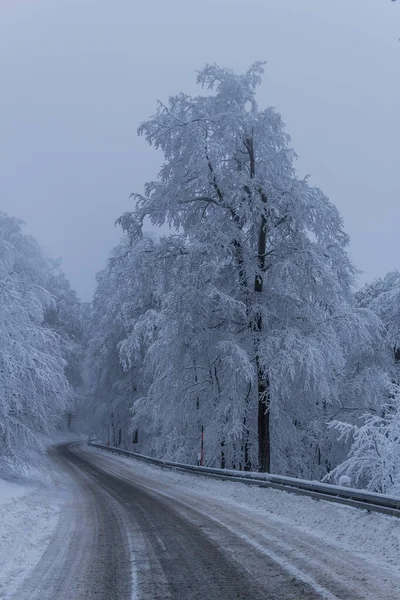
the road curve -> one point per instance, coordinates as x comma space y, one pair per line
123, 536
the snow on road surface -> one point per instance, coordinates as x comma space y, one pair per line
130, 531
341, 551
373, 536
28, 520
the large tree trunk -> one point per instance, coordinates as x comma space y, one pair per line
264, 438
245, 461
255, 316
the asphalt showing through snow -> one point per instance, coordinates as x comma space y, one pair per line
122, 538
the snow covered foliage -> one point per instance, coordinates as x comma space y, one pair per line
382, 296
68, 317
114, 358
241, 322
33, 387
374, 457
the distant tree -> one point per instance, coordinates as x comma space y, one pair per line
113, 366
67, 316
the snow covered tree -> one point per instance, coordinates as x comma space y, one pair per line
374, 457
193, 380
103, 371
33, 386
68, 317
114, 358
229, 189
382, 296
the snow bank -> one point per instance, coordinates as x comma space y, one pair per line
28, 518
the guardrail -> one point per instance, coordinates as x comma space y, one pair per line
369, 501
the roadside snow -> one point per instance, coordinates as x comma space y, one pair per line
29, 511
10, 490
371, 536
28, 518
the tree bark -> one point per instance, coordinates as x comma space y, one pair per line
264, 440
255, 321
264, 437
245, 461
223, 461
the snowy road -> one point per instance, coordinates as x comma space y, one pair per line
125, 533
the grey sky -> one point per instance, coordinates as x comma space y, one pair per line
77, 76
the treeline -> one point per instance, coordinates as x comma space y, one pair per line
236, 340
41, 343
241, 326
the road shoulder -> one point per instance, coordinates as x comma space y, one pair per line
29, 513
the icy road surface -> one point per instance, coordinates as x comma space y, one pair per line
127, 531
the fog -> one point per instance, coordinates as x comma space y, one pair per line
78, 76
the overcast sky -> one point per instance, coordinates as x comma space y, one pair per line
78, 76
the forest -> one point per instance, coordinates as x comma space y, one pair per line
227, 327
